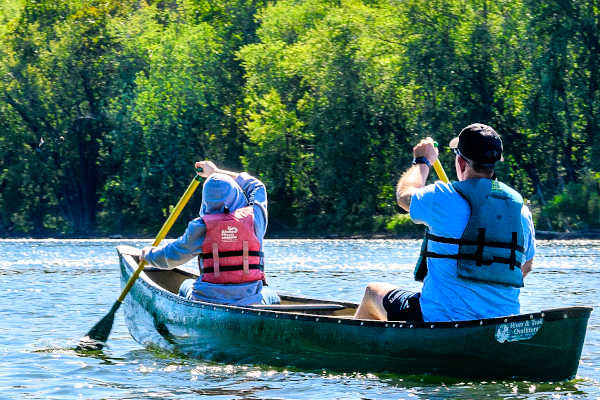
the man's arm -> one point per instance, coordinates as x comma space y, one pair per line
530, 240
416, 176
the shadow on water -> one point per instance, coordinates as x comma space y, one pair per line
106, 358
7, 272
243, 393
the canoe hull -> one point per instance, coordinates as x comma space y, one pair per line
543, 346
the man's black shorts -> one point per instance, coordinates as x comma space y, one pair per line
402, 305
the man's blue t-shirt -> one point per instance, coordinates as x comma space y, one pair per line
445, 296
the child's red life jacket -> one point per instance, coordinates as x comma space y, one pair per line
231, 252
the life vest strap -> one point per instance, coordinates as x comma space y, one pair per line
229, 268
245, 258
237, 253
513, 253
215, 257
480, 244
501, 245
500, 260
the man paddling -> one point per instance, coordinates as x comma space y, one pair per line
227, 239
479, 243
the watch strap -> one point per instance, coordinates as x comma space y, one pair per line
421, 160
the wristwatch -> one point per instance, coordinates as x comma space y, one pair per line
421, 160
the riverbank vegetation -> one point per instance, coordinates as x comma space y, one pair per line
105, 105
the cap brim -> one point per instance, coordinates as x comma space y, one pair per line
454, 143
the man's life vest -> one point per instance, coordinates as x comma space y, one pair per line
491, 246
231, 252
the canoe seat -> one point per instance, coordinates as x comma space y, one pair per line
300, 307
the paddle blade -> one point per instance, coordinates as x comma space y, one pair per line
97, 336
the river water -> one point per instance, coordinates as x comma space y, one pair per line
54, 291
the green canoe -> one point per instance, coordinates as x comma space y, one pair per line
316, 334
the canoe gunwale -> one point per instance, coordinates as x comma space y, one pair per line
547, 315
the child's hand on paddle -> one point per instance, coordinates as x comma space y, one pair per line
208, 168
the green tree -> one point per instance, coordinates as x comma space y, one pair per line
60, 68
179, 107
321, 62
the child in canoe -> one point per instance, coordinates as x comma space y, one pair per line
226, 238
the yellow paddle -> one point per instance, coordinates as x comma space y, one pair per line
439, 170
97, 336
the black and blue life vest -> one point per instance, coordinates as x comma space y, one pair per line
491, 246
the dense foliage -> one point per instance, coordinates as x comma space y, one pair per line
104, 106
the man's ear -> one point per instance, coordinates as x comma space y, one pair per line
462, 165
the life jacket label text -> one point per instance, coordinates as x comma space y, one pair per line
229, 234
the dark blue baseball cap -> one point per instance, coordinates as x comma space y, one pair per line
479, 143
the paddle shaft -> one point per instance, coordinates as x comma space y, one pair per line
162, 233
439, 170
